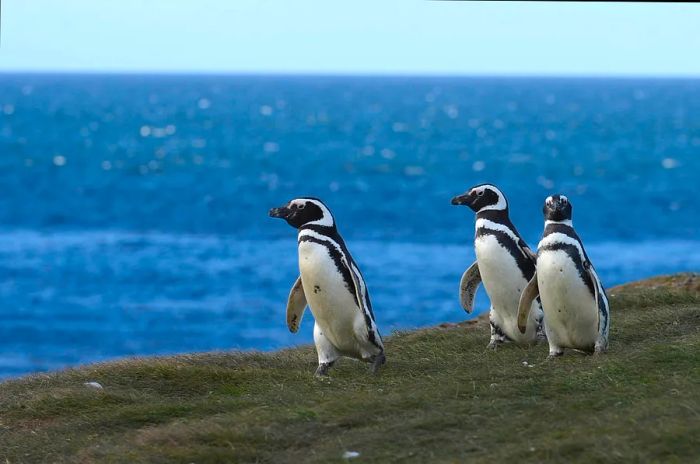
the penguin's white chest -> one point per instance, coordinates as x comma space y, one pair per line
504, 282
330, 300
570, 311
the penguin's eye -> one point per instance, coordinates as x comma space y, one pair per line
480, 193
302, 206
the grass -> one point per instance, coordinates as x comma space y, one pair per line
441, 398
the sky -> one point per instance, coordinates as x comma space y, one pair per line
351, 37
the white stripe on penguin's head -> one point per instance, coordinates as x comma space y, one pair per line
304, 211
489, 198
318, 213
483, 197
557, 209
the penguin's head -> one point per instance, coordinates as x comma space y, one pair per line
557, 208
482, 198
303, 211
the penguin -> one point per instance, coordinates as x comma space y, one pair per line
576, 307
332, 285
504, 264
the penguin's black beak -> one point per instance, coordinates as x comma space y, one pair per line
557, 204
461, 199
281, 212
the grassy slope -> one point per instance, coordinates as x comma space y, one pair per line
441, 396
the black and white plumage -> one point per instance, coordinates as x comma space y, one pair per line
504, 264
576, 308
331, 284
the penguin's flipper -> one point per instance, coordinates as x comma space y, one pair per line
528, 252
296, 304
529, 294
363, 303
603, 310
359, 286
468, 285
594, 280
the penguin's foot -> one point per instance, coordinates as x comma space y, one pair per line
322, 369
599, 350
377, 362
494, 344
497, 335
554, 355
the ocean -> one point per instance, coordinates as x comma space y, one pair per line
133, 210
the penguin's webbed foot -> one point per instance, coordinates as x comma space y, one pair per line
377, 362
554, 355
494, 344
322, 369
497, 335
600, 350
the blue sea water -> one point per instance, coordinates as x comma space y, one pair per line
133, 211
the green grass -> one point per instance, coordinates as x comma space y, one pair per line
442, 397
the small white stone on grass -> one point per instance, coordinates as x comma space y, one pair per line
351, 454
93, 385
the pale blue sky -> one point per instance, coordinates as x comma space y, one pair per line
359, 36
